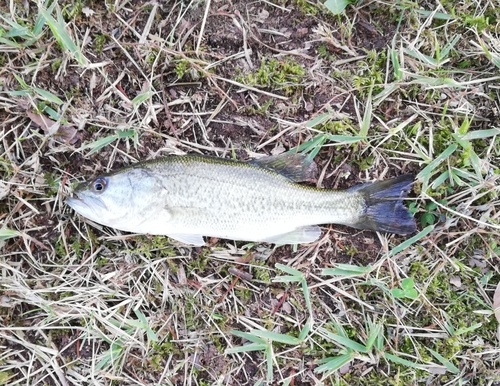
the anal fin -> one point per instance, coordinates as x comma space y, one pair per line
191, 239
305, 234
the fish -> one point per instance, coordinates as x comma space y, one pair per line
191, 196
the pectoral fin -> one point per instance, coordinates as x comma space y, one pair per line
306, 234
196, 240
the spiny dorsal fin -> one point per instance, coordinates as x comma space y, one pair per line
294, 166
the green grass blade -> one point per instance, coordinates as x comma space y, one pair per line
336, 6
306, 329
53, 114
289, 270
141, 98
48, 96
347, 270
111, 356
100, 143
276, 337
18, 32
58, 29
313, 146
401, 247
6, 234
447, 48
39, 23
424, 59
465, 330
345, 138
287, 279
305, 290
269, 360
322, 118
344, 341
435, 15
367, 117
10, 43
333, 363
427, 171
21, 82
404, 362
449, 366
125, 133
480, 134
440, 180
246, 348
375, 331
248, 336
145, 325
398, 74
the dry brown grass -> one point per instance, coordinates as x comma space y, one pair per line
380, 90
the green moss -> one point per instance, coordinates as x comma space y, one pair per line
99, 42
181, 68
76, 246
419, 271
284, 75
363, 162
481, 22
323, 52
72, 10
5, 376
53, 182
449, 347
60, 249
262, 110
160, 246
307, 7
101, 262
350, 250
199, 264
343, 127
56, 64
370, 72
244, 295
261, 274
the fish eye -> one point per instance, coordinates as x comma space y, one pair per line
99, 185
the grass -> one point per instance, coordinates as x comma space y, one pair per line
367, 92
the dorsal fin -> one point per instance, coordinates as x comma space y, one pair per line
296, 167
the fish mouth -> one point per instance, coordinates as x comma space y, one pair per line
85, 204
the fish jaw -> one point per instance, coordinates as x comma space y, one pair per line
86, 206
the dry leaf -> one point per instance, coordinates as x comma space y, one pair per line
46, 124
437, 370
181, 275
66, 133
345, 368
87, 11
262, 15
456, 281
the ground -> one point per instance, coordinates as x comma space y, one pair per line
373, 92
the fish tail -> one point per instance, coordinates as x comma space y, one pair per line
383, 206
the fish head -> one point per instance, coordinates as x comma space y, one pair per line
115, 200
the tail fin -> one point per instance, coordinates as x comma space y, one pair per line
384, 210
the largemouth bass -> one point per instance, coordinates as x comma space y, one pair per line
188, 197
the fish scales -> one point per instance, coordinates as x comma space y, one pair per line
229, 196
